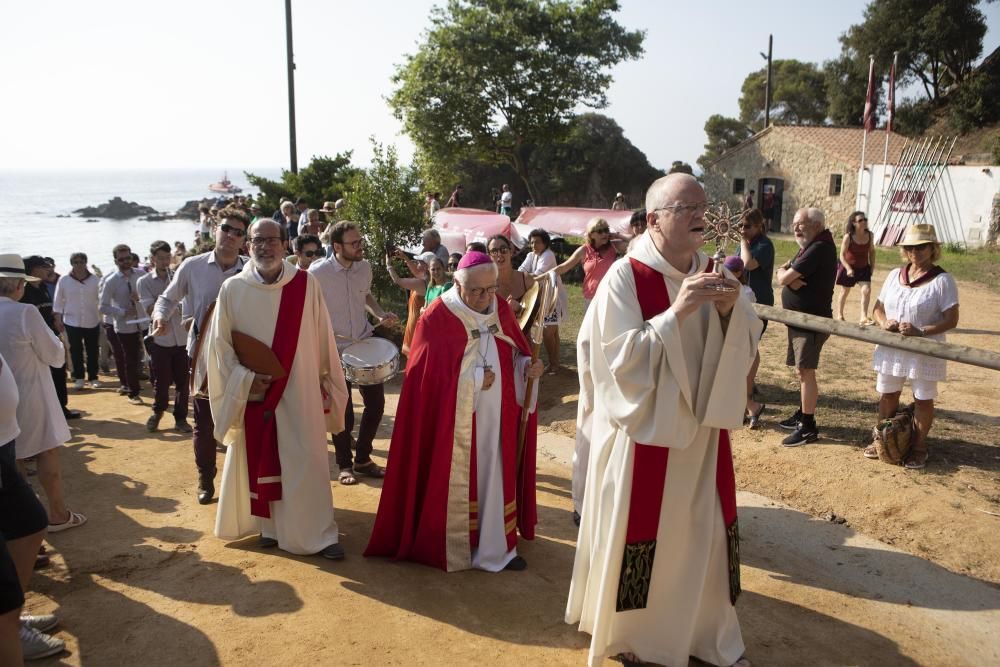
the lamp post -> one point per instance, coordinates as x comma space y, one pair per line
291, 86
767, 84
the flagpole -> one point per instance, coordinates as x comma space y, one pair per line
891, 107
868, 121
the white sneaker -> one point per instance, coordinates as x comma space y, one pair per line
40, 622
79, 384
95, 384
35, 644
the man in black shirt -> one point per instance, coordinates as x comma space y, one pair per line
38, 296
807, 282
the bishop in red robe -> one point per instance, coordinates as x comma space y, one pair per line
459, 488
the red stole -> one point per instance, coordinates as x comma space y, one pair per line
649, 475
931, 274
259, 422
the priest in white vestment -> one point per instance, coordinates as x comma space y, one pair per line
276, 478
656, 574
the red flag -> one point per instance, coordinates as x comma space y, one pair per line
892, 95
869, 117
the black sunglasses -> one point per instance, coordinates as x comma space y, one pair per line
235, 231
309, 253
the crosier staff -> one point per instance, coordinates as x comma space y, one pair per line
547, 285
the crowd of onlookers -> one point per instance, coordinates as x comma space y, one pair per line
144, 318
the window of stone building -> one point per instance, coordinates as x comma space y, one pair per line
739, 185
836, 184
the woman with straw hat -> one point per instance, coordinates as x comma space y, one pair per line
918, 299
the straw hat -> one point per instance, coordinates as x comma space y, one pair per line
12, 266
329, 207
919, 235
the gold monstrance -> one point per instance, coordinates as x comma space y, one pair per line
722, 225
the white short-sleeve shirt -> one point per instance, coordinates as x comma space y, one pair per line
920, 306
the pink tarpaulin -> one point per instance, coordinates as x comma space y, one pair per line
460, 226
568, 221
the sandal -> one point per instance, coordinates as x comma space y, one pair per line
627, 659
870, 452
370, 469
754, 419
346, 477
916, 461
75, 519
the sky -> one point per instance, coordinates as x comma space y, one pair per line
202, 83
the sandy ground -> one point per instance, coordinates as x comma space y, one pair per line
145, 580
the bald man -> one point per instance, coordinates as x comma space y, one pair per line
807, 287
664, 351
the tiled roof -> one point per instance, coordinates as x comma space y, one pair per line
842, 143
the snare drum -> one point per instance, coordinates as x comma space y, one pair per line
370, 361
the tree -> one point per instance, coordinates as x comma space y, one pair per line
492, 77
386, 203
976, 101
679, 167
325, 179
913, 117
846, 80
798, 95
592, 163
723, 133
937, 40
586, 168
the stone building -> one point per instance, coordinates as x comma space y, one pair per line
792, 166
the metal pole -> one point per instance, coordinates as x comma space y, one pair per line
913, 174
902, 171
926, 176
887, 188
291, 87
932, 186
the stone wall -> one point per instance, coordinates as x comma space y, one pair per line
994, 229
804, 170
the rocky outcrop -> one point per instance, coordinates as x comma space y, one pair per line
190, 209
117, 209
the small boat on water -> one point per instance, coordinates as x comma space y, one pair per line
225, 185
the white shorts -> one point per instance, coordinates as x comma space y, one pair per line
923, 390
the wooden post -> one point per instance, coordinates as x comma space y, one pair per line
963, 354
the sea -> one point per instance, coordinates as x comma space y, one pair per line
33, 201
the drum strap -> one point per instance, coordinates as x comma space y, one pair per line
260, 423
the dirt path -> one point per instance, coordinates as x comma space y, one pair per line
938, 513
146, 581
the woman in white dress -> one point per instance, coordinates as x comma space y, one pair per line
540, 260
30, 347
917, 299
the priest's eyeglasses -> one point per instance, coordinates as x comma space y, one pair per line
265, 241
476, 292
682, 209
